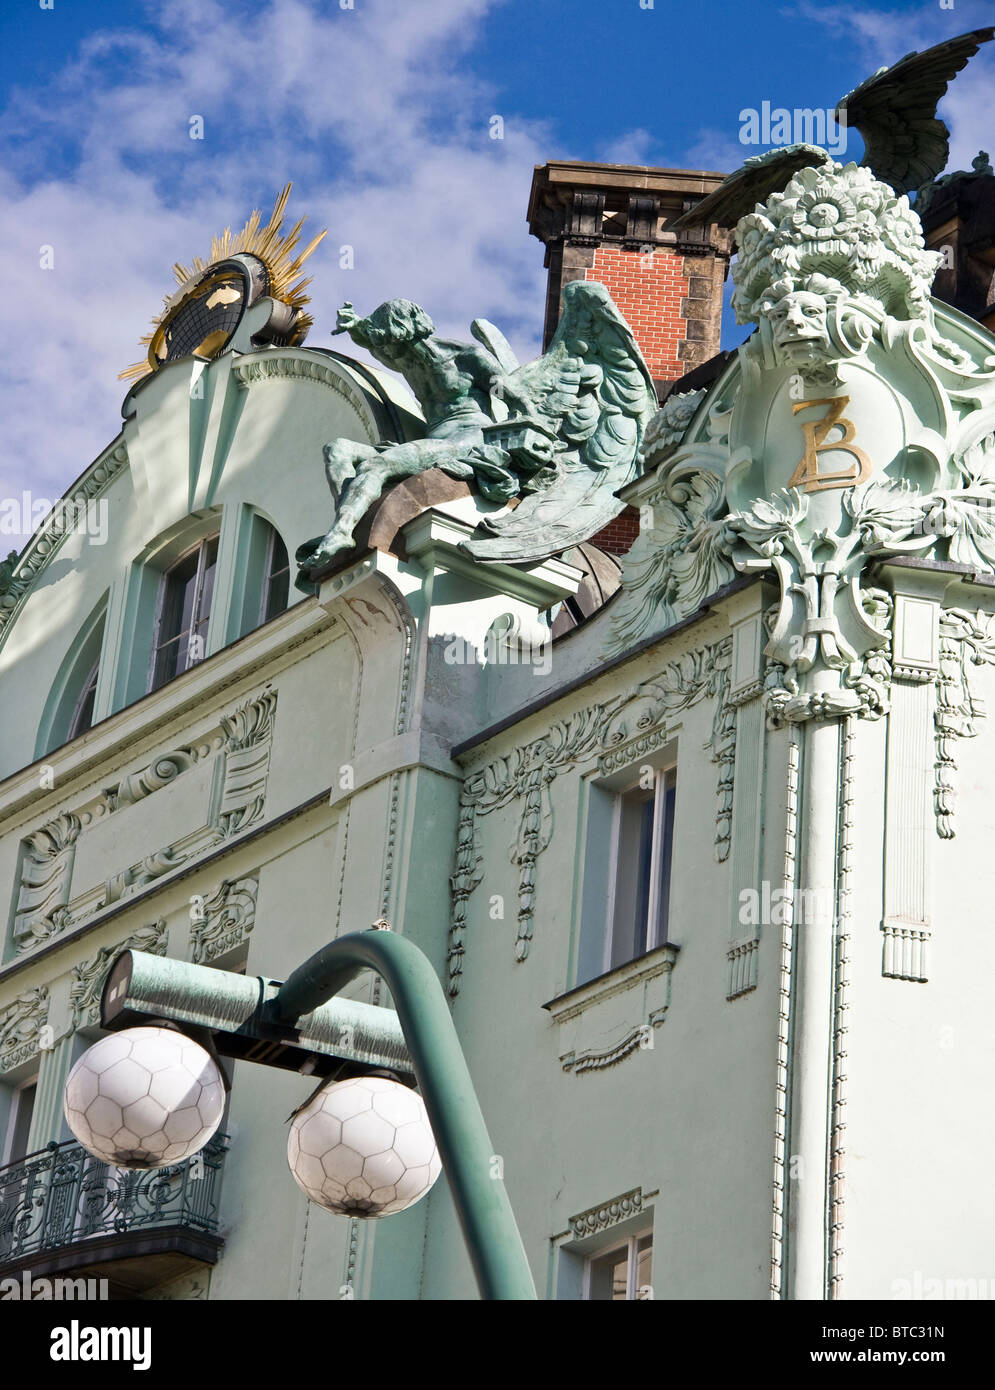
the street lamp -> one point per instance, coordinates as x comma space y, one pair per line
364, 1147
366, 1144
144, 1098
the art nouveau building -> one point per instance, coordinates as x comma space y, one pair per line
694, 828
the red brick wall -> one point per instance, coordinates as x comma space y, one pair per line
617, 537
649, 291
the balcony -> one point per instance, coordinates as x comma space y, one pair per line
62, 1212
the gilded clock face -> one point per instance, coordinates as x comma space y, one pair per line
201, 317
202, 324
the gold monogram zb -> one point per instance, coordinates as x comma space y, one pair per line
807, 475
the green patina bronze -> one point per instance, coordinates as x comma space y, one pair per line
7, 568
340, 1038
561, 433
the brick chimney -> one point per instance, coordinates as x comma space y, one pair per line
958, 216
608, 222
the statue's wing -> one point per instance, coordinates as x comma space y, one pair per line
905, 143
496, 343
739, 194
591, 395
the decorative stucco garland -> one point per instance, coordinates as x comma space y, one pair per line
617, 732
966, 639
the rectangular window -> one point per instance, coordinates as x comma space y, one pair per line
641, 852
19, 1127
623, 1273
184, 612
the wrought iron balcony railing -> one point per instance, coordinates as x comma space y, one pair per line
61, 1197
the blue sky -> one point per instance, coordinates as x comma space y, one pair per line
380, 114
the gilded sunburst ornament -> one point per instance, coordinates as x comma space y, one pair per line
213, 294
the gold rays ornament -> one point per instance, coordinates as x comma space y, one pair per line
201, 315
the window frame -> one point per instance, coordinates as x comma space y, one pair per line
90, 684
201, 547
661, 838
14, 1120
68, 690
630, 1244
266, 588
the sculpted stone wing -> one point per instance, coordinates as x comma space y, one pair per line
759, 177
906, 144
588, 401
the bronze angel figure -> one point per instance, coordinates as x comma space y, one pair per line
561, 434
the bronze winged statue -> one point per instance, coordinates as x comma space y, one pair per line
561, 434
906, 145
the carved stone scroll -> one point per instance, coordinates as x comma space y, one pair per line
223, 920
46, 874
248, 737
87, 980
21, 1024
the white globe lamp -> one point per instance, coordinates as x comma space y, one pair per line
144, 1098
364, 1147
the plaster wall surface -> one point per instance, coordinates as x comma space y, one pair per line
338, 760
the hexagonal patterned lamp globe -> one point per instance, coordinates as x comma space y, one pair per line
364, 1147
144, 1098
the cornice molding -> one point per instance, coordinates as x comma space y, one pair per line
634, 972
258, 657
45, 544
606, 1214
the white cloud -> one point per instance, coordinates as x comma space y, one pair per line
374, 115
716, 151
633, 147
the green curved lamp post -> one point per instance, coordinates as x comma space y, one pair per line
296, 1025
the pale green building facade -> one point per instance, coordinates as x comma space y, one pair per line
705, 873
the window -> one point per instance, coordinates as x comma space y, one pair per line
70, 706
185, 595
261, 585
613, 1265
83, 713
639, 883
623, 1273
19, 1125
627, 851
276, 586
